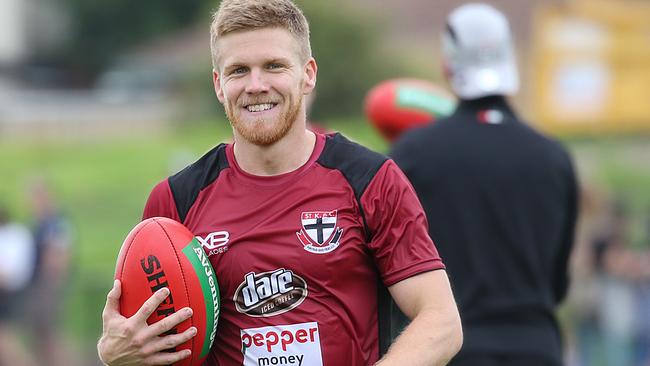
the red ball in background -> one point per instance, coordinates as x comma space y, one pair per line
160, 252
396, 105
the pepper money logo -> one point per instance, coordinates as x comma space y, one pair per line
291, 344
270, 293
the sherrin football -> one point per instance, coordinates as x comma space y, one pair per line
396, 105
160, 252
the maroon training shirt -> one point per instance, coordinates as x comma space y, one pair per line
299, 256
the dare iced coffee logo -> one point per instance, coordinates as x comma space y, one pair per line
270, 293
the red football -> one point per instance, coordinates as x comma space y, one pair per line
160, 252
396, 105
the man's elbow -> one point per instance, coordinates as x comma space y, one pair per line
456, 336
452, 336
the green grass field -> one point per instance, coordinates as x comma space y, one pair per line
102, 186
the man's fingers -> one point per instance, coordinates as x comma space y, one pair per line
173, 340
112, 306
169, 322
165, 358
151, 305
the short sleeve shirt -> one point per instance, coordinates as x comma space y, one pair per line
300, 257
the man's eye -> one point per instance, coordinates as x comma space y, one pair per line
239, 70
274, 66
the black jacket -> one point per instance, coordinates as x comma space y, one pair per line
501, 203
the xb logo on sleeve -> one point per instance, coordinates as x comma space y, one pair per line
215, 242
319, 233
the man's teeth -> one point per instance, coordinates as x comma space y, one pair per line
259, 107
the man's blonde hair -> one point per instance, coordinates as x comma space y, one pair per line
243, 15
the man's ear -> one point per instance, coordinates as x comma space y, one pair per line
217, 86
311, 69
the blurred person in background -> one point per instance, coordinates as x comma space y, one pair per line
340, 217
16, 266
500, 198
53, 241
643, 300
622, 274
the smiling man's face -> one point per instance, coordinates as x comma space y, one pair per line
261, 82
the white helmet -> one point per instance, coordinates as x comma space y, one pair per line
479, 53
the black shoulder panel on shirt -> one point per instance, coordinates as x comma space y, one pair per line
357, 164
187, 183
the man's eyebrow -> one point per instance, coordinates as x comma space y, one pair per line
233, 66
280, 60
236, 65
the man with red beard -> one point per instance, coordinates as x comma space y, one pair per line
314, 231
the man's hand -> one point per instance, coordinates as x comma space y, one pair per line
132, 341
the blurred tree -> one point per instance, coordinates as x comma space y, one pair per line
347, 45
101, 29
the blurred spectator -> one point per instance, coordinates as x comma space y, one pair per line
623, 282
643, 301
643, 308
500, 198
52, 235
16, 253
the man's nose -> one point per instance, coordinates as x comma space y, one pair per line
257, 83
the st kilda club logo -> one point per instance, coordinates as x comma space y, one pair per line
319, 233
270, 293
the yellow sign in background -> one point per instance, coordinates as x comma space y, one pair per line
591, 67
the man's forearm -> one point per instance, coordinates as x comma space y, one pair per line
431, 339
